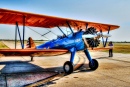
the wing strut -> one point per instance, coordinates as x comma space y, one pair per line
107, 37
23, 31
69, 26
16, 35
102, 38
61, 30
17, 29
86, 26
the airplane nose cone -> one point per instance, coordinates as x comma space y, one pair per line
91, 38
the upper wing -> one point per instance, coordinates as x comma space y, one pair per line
37, 20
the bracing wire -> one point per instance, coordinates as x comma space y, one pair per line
37, 32
43, 34
51, 32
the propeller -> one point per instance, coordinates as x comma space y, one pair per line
91, 37
97, 35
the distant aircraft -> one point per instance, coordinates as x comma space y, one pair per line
86, 36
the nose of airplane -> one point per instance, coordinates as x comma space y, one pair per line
91, 38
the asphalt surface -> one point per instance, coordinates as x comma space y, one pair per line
21, 72
112, 72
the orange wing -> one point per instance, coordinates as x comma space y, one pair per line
37, 20
32, 52
103, 48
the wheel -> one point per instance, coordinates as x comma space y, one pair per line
68, 67
93, 66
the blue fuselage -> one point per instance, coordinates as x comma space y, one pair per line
67, 42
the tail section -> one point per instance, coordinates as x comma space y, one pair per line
30, 43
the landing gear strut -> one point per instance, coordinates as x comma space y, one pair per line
31, 58
68, 65
93, 63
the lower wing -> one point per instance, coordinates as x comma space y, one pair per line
32, 52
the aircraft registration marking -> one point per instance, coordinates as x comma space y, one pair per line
78, 40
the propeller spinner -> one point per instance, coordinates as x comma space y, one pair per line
92, 38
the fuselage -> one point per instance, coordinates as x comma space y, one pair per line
65, 42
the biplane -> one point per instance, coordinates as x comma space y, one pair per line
87, 35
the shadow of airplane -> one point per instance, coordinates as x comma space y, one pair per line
84, 68
13, 67
26, 73
23, 72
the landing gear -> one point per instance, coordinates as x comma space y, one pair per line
31, 58
68, 67
93, 64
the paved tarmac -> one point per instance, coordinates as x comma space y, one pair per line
20, 71
112, 72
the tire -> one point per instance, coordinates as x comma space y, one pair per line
68, 67
93, 66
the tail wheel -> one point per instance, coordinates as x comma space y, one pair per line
68, 67
94, 64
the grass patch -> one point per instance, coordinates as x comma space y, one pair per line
121, 48
3, 46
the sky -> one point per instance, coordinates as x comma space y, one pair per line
115, 12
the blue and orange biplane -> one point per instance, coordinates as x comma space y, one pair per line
86, 36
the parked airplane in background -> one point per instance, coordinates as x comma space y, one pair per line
86, 36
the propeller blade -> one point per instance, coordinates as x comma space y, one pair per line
103, 35
89, 36
96, 35
106, 35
